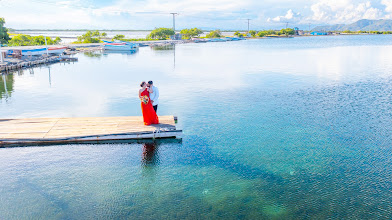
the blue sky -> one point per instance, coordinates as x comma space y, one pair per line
222, 14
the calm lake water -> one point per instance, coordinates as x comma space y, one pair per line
294, 128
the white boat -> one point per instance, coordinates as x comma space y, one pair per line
120, 46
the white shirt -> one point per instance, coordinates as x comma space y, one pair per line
154, 96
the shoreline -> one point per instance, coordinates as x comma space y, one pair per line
149, 42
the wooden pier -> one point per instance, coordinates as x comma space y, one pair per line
34, 131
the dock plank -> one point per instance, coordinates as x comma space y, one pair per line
63, 130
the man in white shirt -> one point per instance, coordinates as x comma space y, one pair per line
154, 95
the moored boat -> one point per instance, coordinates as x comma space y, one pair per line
217, 40
30, 52
41, 51
120, 46
56, 50
198, 40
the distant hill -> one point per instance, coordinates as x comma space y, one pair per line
361, 25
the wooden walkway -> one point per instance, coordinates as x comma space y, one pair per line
74, 130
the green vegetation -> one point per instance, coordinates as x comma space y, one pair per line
287, 32
122, 38
266, 33
4, 37
188, 33
90, 37
253, 33
118, 37
137, 39
238, 34
214, 34
27, 40
365, 32
161, 33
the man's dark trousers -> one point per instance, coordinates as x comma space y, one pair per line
155, 108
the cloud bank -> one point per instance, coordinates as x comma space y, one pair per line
224, 14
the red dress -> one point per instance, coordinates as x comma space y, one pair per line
149, 114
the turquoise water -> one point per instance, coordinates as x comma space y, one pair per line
273, 129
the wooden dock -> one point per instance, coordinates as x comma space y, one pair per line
34, 131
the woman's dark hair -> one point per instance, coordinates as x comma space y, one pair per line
142, 84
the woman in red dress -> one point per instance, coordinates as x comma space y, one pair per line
149, 115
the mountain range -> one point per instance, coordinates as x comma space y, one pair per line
361, 25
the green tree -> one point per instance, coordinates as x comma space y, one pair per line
188, 33
119, 37
104, 34
57, 40
287, 32
161, 33
4, 37
237, 33
266, 33
253, 33
20, 40
90, 37
214, 34
27, 40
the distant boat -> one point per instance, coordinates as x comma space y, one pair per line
56, 50
237, 38
217, 40
120, 46
38, 51
198, 40
42, 51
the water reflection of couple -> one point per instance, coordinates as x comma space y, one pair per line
149, 95
150, 156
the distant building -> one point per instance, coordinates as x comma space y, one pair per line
319, 33
176, 36
298, 31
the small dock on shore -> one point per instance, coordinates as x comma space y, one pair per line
46, 131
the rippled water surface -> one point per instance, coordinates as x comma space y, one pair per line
294, 128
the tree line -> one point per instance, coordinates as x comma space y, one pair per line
23, 39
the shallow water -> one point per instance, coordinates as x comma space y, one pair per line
274, 128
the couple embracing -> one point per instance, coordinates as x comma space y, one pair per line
149, 95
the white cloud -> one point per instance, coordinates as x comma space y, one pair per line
388, 8
147, 14
24, 13
181, 6
344, 11
289, 17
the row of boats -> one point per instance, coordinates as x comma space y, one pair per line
205, 40
108, 46
38, 51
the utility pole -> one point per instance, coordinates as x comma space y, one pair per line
174, 21
248, 23
287, 24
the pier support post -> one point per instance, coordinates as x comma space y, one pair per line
1, 55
